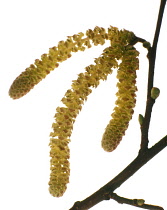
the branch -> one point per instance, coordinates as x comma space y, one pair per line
107, 190
150, 102
134, 202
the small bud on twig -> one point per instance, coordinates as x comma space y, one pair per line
140, 202
155, 92
146, 44
140, 119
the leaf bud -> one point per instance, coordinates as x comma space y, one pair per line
146, 44
140, 202
140, 118
155, 92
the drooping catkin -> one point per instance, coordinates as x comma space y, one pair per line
48, 62
65, 117
74, 98
73, 101
126, 100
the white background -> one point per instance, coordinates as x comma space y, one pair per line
29, 29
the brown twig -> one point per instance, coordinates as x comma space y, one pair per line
145, 153
134, 202
150, 102
106, 191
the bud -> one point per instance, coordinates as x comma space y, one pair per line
140, 119
146, 44
155, 92
140, 202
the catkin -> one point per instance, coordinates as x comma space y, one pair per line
48, 62
80, 89
125, 102
65, 117
74, 99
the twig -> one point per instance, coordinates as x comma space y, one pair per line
150, 102
134, 202
105, 192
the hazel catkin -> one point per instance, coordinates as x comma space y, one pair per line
125, 100
75, 97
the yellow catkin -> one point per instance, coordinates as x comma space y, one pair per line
74, 99
126, 100
48, 62
80, 89
65, 118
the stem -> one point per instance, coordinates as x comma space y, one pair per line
135, 202
106, 191
150, 102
